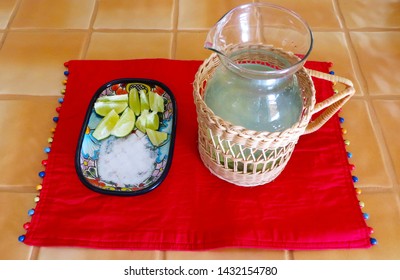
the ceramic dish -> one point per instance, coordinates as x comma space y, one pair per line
126, 145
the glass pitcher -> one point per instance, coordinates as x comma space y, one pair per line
260, 46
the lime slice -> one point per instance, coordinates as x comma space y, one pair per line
141, 121
106, 125
156, 102
156, 137
103, 108
144, 101
151, 100
159, 101
125, 124
134, 101
113, 98
152, 121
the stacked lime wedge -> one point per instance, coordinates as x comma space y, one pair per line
125, 124
157, 138
137, 108
106, 125
105, 104
144, 100
134, 101
156, 102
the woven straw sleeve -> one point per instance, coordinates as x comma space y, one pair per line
250, 158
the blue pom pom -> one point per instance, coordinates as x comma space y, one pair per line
31, 212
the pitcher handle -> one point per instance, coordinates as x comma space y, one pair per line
333, 103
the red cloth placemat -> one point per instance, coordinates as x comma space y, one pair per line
312, 205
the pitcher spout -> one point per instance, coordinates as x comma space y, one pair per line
249, 27
214, 40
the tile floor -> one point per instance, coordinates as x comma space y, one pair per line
361, 38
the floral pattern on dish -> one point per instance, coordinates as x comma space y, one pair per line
89, 148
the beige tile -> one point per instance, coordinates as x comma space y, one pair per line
129, 45
74, 14
367, 156
332, 46
379, 57
37, 68
14, 208
6, 10
371, 13
226, 254
383, 209
317, 13
190, 46
388, 112
26, 126
67, 253
204, 14
134, 14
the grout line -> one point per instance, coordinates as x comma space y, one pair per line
89, 31
12, 97
374, 29
160, 255
175, 22
18, 189
33, 253
353, 55
47, 29
10, 20
289, 254
338, 14
131, 30
13, 14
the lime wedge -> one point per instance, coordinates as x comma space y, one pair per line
106, 125
156, 102
125, 124
103, 108
141, 121
144, 101
113, 98
134, 101
151, 99
156, 137
152, 121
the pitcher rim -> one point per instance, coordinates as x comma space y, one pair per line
284, 71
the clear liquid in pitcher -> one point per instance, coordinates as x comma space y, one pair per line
270, 104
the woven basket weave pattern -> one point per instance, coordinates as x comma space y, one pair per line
238, 155
247, 157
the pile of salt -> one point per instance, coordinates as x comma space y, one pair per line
126, 161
